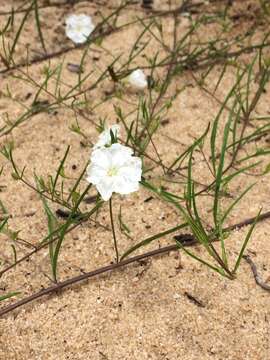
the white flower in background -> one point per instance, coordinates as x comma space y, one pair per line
79, 27
137, 79
114, 169
104, 138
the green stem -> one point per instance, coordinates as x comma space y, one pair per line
113, 231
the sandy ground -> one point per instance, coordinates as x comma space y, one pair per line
144, 311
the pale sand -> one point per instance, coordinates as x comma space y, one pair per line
140, 312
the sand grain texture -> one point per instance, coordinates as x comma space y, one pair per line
142, 311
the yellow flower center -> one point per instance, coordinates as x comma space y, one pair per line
78, 28
112, 171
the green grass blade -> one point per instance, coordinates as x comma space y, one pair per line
59, 171
195, 257
3, 223
52, 226
229, 209
39, 26
9, 295
238, 261
148, 240
189, 150
64, 229
19, 32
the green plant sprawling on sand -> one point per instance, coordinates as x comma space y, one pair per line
143, 84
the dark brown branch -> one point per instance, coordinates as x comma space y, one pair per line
21, 10
184, 7
54, 54
42, 245
192, 241
187, 7
257, 277
76, 279
188, 240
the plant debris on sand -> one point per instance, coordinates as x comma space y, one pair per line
134, 179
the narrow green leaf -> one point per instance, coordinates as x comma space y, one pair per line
38, 25
9, 295
238, 261
19, 32
150, 239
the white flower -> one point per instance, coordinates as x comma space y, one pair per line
105, 137
79, 27
114, 169
137, 79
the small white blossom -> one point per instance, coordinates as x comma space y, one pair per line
137, 79
114, 169
79, 27
104, 138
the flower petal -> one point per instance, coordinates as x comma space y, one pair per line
102, 158
105, 188
79, 27
120, 154
131, 172
105, 137
114, 169
137, 79
124, 187
95, 173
